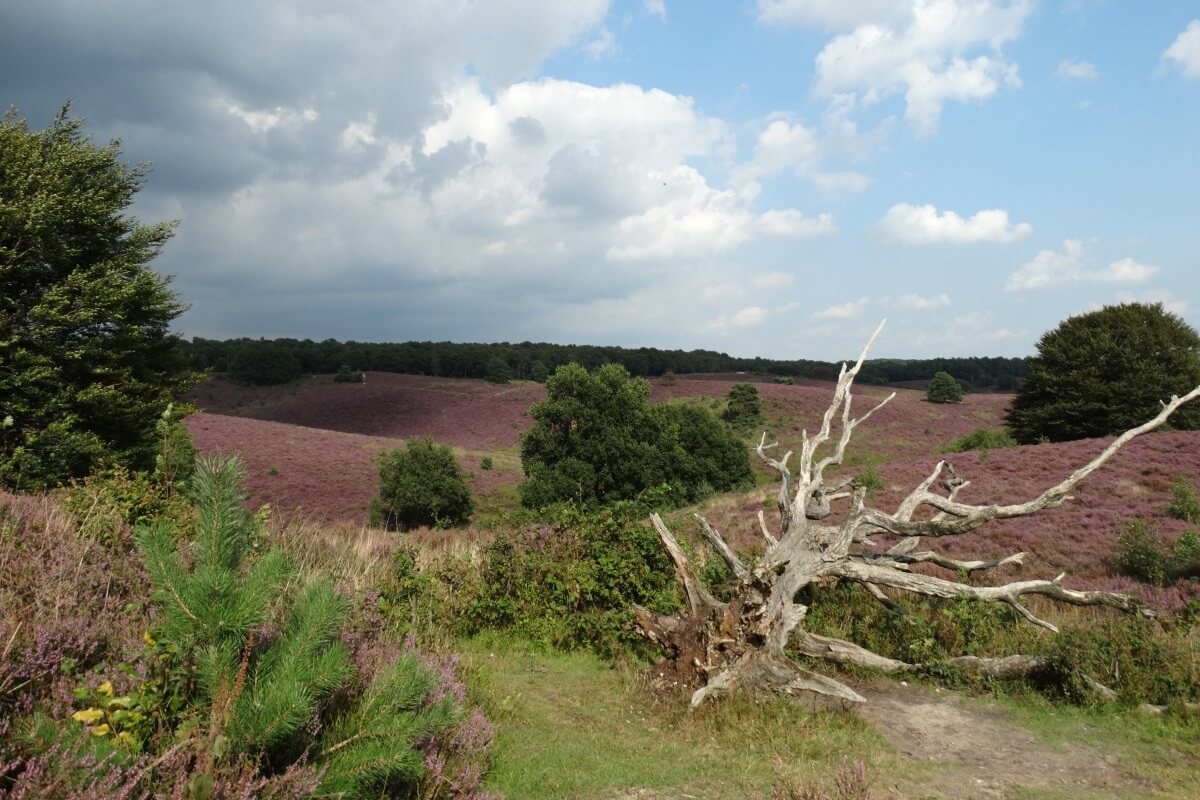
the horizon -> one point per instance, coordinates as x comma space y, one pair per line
767, 178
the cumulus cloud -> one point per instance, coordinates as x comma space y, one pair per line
750, 315
1051, 268
793, 224
605, 44
1077, 70
927, 50
909, 224
655, 8
1184, 52
848, 310
916, 302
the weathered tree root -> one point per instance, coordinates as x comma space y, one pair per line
742, 644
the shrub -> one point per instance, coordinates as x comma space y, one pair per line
981, 439
943, 388
869, 479
1140, 554
596, 439
744, 408
571, 580
485, 462
498, 370
421, 484
347, 375
1184, 504
1105, 372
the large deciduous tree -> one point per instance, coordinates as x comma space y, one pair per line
748, 641
596, 439
87, 361
1103, 372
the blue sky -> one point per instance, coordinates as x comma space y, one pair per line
764, 178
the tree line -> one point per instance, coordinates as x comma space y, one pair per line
269, 361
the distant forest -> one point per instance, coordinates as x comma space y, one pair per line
268, 361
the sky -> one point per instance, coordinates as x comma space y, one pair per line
762, 177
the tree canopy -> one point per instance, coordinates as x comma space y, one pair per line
1103, 372
87, 361
596, 439
944, 389
421, 484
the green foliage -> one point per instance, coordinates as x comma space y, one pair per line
869, 478
538, 372
347, 375
571, 580
87, 360
744, 408
943, 388
1184, 504
981, 439
1104, 372
421, 484
264, 363
498, 370
1140, 553
596, 439
267, 660
485, 462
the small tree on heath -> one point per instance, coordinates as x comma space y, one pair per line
944, 389
421, 484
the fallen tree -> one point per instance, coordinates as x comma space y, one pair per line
744, 643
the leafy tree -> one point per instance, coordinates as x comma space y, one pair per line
744, 408
538, 372
1104, 372
347, 375
264, 363
498, 370
421, 484
87, 362
943, 388
596, 439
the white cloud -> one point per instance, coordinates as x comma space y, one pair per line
278, 117
923, 49
916, 302
655, 8
1077, 70
1125, 270
605, 44
908, 224
847, 310
791, 223
1184, 52
1050, 268
772, 280
750, 315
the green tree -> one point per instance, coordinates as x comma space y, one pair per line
744, 408
264, 362
87, 361
596, 439
943, 388
421, 484
498, 370
1104, 372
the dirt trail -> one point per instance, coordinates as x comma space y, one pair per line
981, 752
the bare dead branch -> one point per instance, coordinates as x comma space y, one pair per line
699, 600
714, 538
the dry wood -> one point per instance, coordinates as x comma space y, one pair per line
747, 643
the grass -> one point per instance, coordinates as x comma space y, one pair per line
571, 725
1163, 751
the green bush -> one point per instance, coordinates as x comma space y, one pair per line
743, 408
421, 484
981, 439
1140, 553
1184, 504
869, 479
347, 375
596, 440
943, 388
571, 580
1105, 372
485, 462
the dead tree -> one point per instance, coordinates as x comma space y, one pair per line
742, 643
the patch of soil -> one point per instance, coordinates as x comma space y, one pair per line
980, 751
